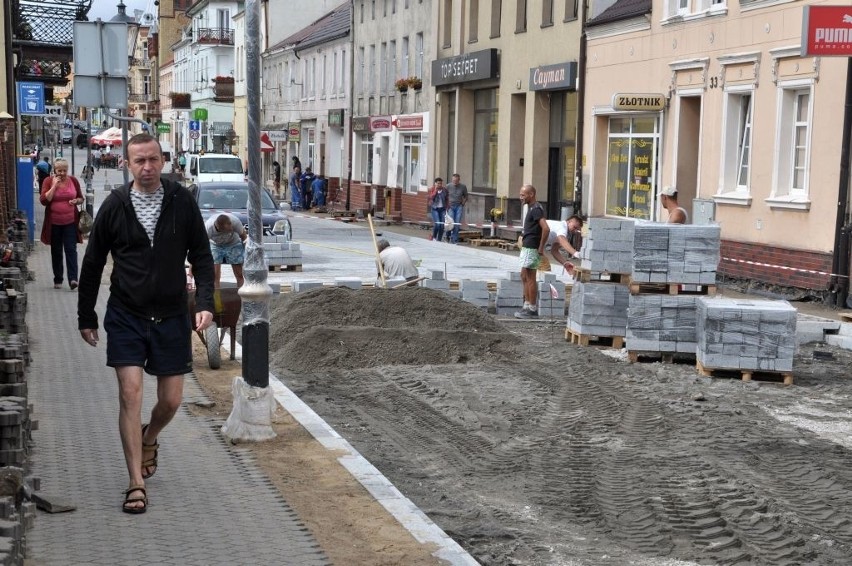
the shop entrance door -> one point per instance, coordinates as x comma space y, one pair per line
554, 182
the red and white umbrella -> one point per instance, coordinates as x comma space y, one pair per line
265, 143
111, 136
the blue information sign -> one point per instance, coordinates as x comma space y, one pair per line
31, 98
194, 125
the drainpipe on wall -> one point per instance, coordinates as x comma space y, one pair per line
581, 101
840, 261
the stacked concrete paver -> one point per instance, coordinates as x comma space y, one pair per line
281, 252
548, 305
671, 254
598, 309
608, 248
510, 294
475, 292
746, 334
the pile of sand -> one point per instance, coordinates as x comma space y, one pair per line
341, 328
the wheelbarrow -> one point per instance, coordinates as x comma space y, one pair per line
227, 307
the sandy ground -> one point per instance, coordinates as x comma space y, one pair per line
530, 450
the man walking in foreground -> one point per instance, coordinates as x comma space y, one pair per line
535, 234
150, 228
458, 198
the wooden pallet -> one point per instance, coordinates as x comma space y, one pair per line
616, 342
342, 214
486, 242
846, 317
508, 246
786, 377
586, 276
292, 267
671, 289
634, 356
467, 235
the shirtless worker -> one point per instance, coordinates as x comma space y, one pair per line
677, 214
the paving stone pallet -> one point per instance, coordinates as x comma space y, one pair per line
746, 374
639, 356
671, 289
294, 267
615, 342
477, 242
584, 275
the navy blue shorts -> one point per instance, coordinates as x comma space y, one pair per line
162, 346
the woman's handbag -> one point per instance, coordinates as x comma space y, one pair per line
84, 221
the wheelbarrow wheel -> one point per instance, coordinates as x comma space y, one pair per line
214, 351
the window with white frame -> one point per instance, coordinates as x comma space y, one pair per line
418, 61
737, 141
371, 75
793, 140
334, 73
391, 64
366, 169
383, 78
404, 57
362, 87
311, 146
342, 84
411, 163
694, 8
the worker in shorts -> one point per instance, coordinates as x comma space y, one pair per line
227, 244
535, 235
566, 237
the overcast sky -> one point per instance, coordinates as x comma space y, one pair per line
106, 9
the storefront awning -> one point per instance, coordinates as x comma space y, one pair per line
266, 145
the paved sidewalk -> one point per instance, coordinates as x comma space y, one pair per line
208, 503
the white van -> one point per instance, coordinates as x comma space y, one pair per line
206, 167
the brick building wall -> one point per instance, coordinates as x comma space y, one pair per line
776, 266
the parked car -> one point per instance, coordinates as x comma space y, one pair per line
217, 197
209, 167
67, 135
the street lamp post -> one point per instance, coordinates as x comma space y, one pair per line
132, 30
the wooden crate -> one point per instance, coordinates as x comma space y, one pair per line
634, 356
616, 342
786, 377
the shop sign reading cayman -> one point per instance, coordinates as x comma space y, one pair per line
827, 31
562, 76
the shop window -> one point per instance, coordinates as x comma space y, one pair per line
632, 167
793, 143
311, 146
485, 139
366, 169
736, 151
496, 16
418, 60
412, 165
404, 56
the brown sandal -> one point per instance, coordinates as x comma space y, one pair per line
127, 500
149, 456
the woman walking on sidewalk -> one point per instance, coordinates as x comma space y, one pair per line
60, 195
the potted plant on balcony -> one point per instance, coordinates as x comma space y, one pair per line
222, 79
401, 85
415, 82
180, 99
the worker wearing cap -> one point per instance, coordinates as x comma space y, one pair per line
677, 214
566, 235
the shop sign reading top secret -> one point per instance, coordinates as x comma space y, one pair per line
474, 66
647, 102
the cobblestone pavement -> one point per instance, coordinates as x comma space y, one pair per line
209, 504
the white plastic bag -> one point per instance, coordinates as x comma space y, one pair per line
449, 223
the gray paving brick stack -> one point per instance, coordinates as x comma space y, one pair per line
279, 251
510, 294
437, 281
13, 311
475, 293
661, 324
608, 247
755, 335
206, 500
14, 278
351, 282
675, 253
598, 309
548, 305
305, 285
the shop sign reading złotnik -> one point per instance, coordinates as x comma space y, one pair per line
827, 30
474, 66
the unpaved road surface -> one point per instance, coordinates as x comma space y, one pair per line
530, 450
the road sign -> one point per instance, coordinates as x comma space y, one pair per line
100, 64
31, 98
194, 134
194, 125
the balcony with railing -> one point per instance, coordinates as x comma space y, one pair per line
138, 97
215, 36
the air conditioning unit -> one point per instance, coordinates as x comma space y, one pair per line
703, 211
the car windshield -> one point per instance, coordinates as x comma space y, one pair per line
231, 199
220, 165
